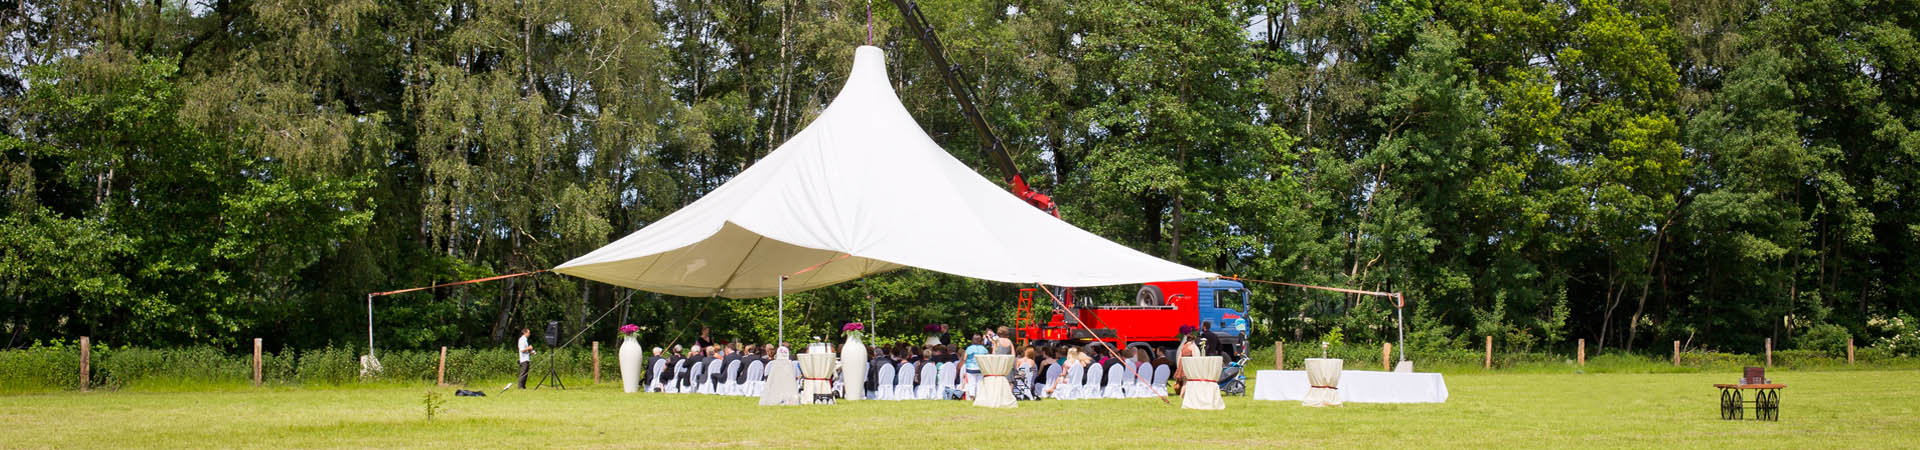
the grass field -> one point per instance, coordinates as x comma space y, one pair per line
1825, 409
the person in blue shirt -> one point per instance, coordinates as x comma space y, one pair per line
973, 367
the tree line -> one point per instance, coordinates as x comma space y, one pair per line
1624, 171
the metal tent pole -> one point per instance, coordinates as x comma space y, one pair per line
1400, 322
369, 326
783, 309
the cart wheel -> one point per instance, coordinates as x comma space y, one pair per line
1769, 407
1739, 405
1727, 404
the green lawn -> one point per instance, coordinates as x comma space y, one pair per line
1850, 409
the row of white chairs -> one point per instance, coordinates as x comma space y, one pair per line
1086, 382
695, 378
900, 382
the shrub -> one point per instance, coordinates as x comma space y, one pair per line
42, 366
1825, 338
327, 366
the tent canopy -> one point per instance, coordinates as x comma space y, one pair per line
861, 190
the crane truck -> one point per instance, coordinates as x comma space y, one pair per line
1160, 309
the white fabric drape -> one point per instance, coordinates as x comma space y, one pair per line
1323, 375
1202, 390
780, 389
995, 391
861, 190
818, 370
1356, 386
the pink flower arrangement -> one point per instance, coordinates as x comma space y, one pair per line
853, 326
936, 328
629, 330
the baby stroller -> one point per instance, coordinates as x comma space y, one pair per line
1023, 384
1233, 378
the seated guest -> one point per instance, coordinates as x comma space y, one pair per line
973, 365
1002, 342
873, 367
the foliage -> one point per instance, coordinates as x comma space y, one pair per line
1625, 172
433, 402
1826, 338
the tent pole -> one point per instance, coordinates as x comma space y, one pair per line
783, 309
369, 325
1400, 310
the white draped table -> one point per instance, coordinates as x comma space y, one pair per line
1358, 386
1202, 390
780, 390
1323, 382
817, 368
995, 391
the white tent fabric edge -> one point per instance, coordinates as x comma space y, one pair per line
860, 191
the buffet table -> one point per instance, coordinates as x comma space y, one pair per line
994, 391
1358, 386
1202, 390
817, 370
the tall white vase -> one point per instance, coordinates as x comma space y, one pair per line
853, 368
630, 365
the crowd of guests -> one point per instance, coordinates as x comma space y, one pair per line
1093, 370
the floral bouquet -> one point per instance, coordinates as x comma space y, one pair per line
629, 330
854, 329
936, 328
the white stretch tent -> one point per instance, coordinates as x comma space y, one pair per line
861, 190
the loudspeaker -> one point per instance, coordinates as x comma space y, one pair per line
553, 333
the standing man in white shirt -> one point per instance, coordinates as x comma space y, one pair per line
526, 355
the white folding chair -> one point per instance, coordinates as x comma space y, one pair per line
1047, 380
1091, 390
756, 379
674, 383
949, 375
1137, 386
883, 383
1117, 380
731, 386
702, 384
659, 366
1071, 390
1160, 375
929, 382
903, 384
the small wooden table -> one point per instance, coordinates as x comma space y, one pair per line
1766, 401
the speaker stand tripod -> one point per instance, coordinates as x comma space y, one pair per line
552, 377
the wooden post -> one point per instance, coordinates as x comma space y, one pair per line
1581, 354
1849, 350
1676, 353
1489, 352
86, 362
256, 362
1279, 355
596, 362
1769, 352
1386, 356
441, 377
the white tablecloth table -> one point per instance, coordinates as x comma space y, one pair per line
780, 390
1358, 386
1323, 380
1202, 390
995, 391
817, 368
